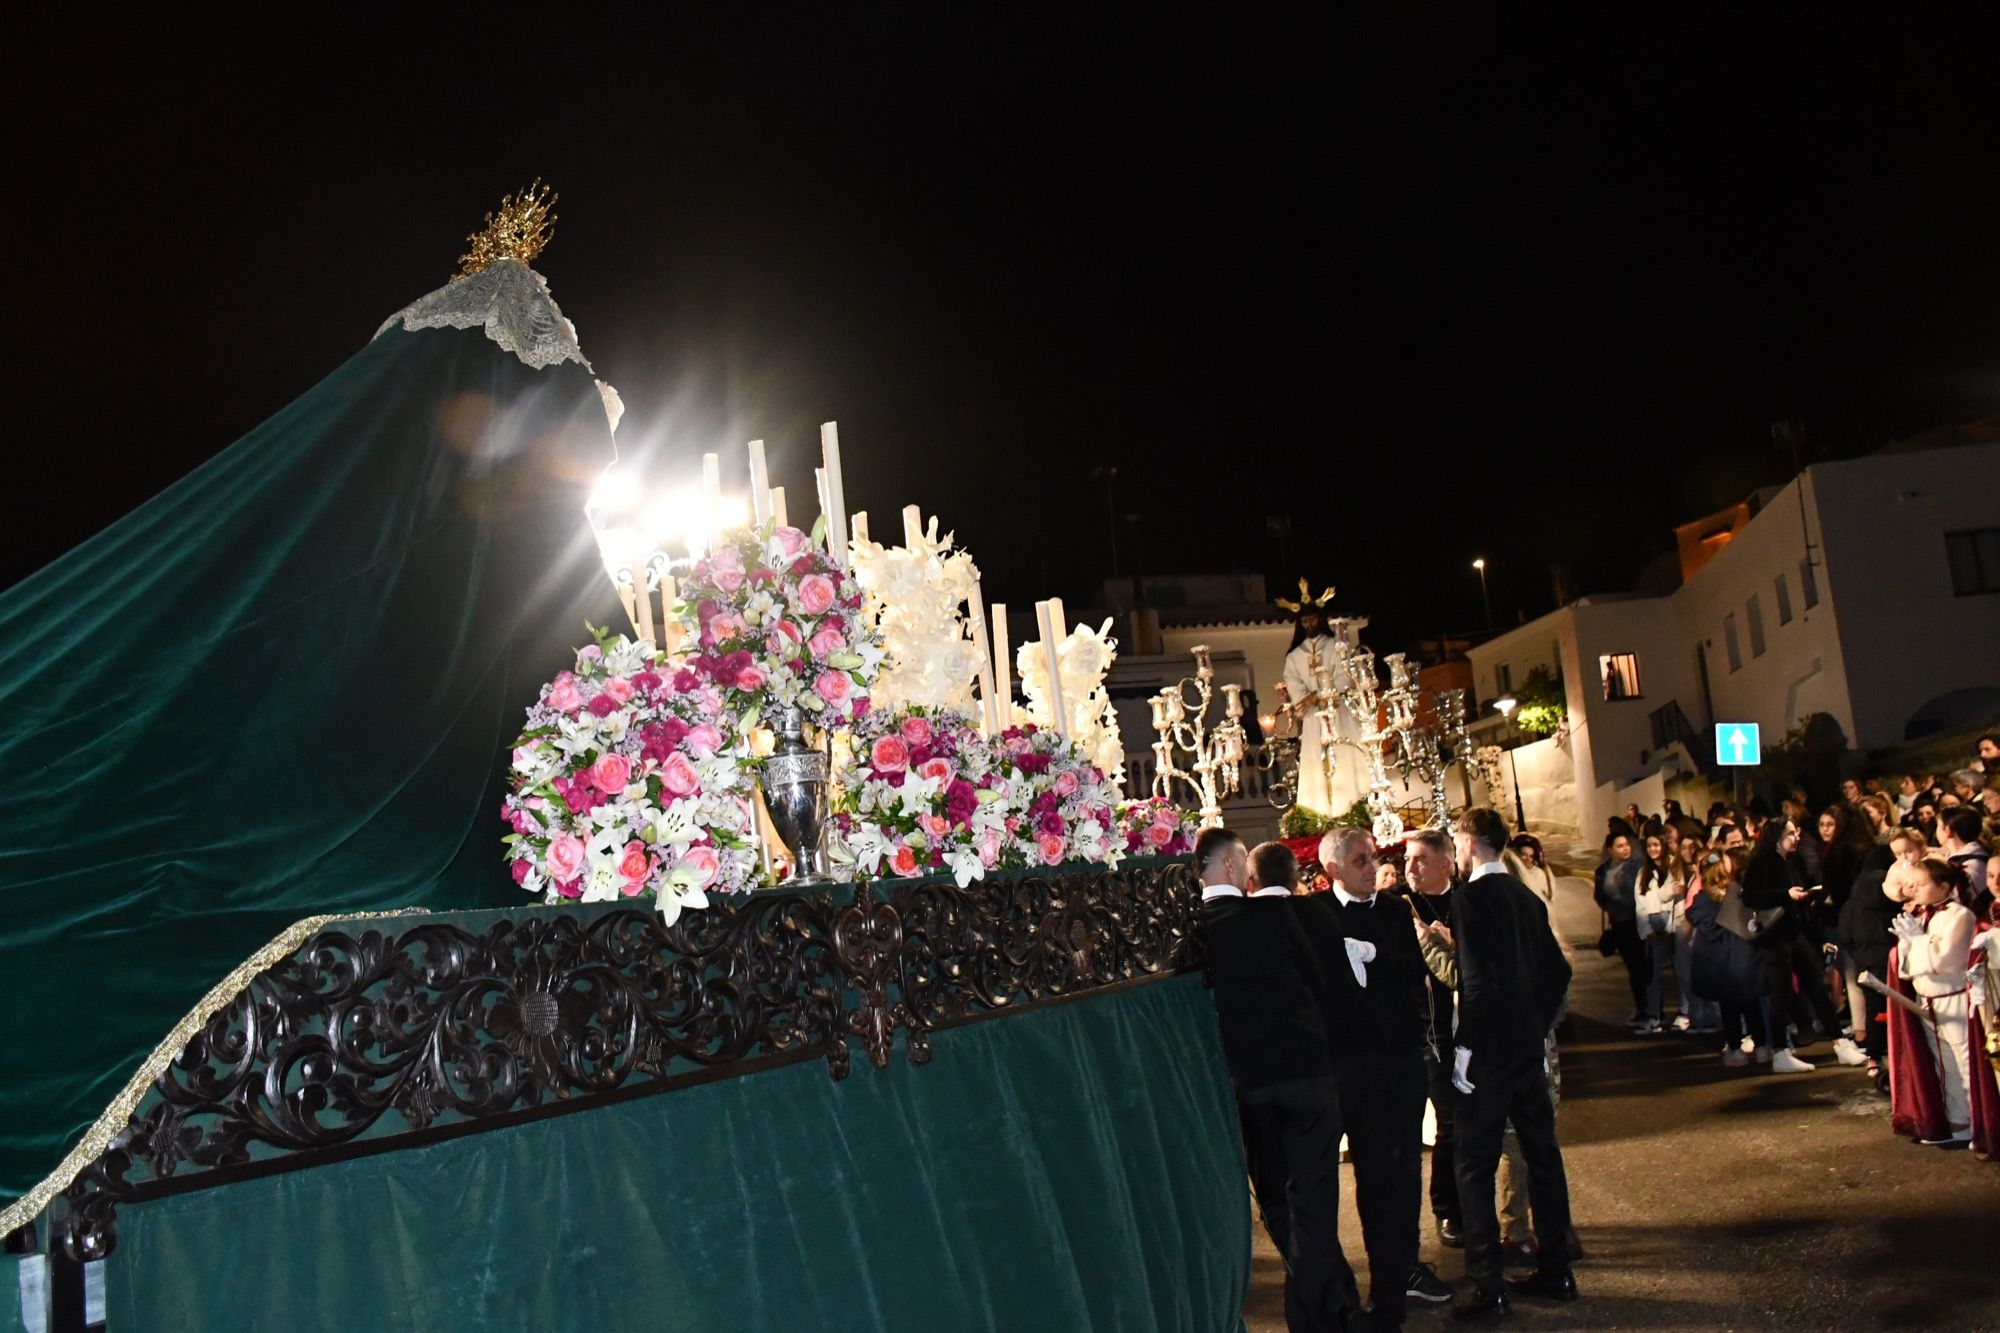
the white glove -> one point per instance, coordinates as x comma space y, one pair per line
1461, 1060
1360, 952
1907, 927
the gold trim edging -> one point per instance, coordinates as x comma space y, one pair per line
115, 1117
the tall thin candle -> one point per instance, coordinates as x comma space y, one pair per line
913, 526
1045, 616
1003, 671
836, 493
778, 515
988, 708
760, 485
711, 500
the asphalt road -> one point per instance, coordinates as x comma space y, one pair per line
1713, 1198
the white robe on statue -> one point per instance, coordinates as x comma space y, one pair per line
1302, 668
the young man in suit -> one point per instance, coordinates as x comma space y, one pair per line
1378, 1037
1259, 964
1512, 979
1430, 864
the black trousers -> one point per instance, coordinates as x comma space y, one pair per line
1638, 963
1291, 1140
1444, 1169
1382, 1106
1789, 955
1518, 1092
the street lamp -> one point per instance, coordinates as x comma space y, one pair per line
1505, 706
1484, 596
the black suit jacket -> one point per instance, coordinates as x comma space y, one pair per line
1511, 972
1261, 970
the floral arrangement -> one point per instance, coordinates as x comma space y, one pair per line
921, 793
772, 620
1155, 826
915, 595
631, 778
1083, 659
1060, 806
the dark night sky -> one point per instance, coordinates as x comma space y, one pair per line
1448, 287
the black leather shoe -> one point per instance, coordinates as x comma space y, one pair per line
1554, 1284
1472, 1303
1520, 1254
1450, 1234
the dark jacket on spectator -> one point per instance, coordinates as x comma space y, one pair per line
1767, 883
1512, 975
1724, 966
1392, 1014
1259, 965
1616, 891
1864, 924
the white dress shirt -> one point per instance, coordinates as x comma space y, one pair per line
1360, 953
1209, 891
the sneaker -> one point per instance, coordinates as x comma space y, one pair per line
1845, 1051
1746, 1045
1733, 1058
1637, 1021
1761, 1054
1682, 1023
1784, 1062
1426, 1285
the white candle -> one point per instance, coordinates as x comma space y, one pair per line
836, 493
988, 708
711, 500
778, 507
859, 523
1003, 671
760, 485
644, 596
913, 526
819, 485
1045, 617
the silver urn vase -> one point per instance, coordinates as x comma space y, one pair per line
795, 792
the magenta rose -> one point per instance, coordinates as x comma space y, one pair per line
831, 686
565, 857
704, 862
917, 730
816, 594
520, 869
678, 775
610, 774
604, 705
890, 754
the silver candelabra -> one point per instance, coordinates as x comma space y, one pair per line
1215, 770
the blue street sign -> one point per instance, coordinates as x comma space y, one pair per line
1737, 744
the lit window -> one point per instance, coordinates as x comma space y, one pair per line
1975, 561
1809, 582
1729, 641
1784, 601
1755, 614
1620, 672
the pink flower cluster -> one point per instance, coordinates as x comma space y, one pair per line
772, 619
1063, 807
1156, 826
920, 795
625, 783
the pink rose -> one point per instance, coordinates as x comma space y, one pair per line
611, 773
989, 847
917, 730
827, 642
728, 625
564, 696
937, 769
1066, 783
790, 540
790, 630
904, 862
619, 688
831, 686
565, 858
815, 594
1051, 848
590, 652
890, 755
704, 862
520, 869
635, 865
726, 567
750, 678
935, 825
677, 775
704, 739
1159, 834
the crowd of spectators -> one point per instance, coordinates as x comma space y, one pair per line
1865, 925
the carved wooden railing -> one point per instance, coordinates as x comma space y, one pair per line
369, 1041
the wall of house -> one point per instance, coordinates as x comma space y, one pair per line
1903, 634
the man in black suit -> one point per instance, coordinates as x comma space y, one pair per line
1512, 978
1275, 1042
1378, 1034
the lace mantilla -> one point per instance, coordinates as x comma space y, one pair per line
507, 299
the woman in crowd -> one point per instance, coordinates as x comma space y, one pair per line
1865, 941
1534, 865
1616, 881
1653, 918
1934, 950
1878, 813
1725, 966
1698, 1015
1792, 964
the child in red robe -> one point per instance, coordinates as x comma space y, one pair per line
1943, 1087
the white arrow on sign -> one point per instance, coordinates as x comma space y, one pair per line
1737, 740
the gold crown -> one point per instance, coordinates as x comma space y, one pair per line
1305, 598
519, 230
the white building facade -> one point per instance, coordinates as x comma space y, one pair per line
1891, 626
